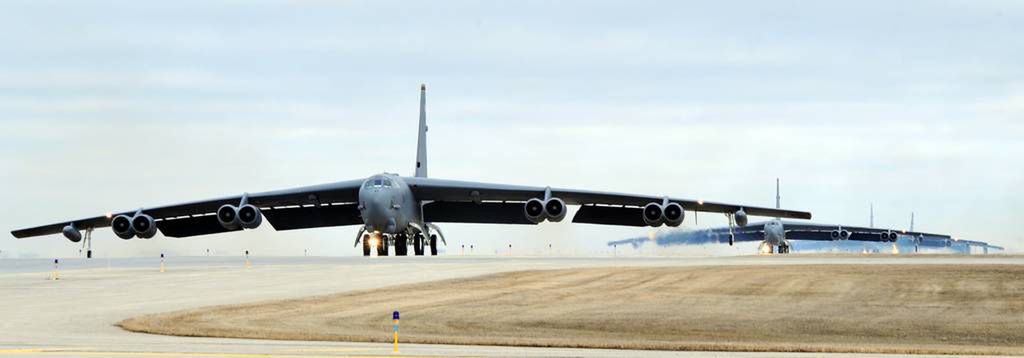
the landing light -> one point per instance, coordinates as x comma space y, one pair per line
109, 215
700, 201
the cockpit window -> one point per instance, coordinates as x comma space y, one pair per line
378, 182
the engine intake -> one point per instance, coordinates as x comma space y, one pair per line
144, 226
554, 209
653, 214
227, 216
249, 216
673, 214
840, 234
122, 226
534, 210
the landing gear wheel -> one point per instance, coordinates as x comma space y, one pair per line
382, 249
433, 245
401, 245
366, 245
417, 244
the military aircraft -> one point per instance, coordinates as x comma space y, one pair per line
775, 235
398, 211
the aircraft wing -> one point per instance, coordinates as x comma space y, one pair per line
819, 232
312, 206
596, 207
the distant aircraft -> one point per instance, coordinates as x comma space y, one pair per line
399, 211
775, 235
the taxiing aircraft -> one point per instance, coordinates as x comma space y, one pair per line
398, 211
775, 235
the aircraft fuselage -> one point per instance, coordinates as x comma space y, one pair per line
387, 205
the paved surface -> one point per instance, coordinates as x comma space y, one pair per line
74, 316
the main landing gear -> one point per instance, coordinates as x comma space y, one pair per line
420, 244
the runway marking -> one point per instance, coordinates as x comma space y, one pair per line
339, 349
65, 352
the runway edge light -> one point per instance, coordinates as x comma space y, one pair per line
394, 316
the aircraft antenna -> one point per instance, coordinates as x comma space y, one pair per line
872, 223
911, 221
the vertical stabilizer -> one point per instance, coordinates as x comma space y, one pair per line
421, 143
778, 198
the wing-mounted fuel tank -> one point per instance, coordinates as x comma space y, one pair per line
550, 208
245, 215
741, 217
71, 233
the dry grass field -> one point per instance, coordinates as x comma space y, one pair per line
937, 309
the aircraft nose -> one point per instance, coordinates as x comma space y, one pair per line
376, 211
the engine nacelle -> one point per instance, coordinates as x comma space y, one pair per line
554, 209
673, 214
144, 226
741, 217
72, 234
227, 216
840, 234
534, 210
122, 226
889, 236
249, 216
653, 214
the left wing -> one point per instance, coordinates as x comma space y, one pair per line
312, 206
597, 207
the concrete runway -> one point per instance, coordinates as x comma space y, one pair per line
74, 316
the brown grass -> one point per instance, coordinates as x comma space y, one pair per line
928, 309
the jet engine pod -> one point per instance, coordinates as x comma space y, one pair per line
835, 234
554, 209
144, 226
844, 234
72, 234
741, 217
534, 210
673, 214
249, 216
653, 214
122, 226
227, 216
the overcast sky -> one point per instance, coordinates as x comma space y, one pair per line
912, 106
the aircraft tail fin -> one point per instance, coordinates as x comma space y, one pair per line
778, 198
421, 143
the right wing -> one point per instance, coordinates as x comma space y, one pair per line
596, 207
299, 208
